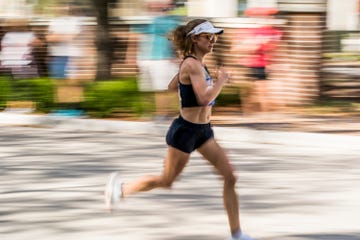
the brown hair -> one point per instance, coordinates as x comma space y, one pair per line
181, 41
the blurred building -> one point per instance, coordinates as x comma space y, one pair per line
319, 54
343, 15
340, 70
312, 28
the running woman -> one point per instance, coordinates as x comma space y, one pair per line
191, 130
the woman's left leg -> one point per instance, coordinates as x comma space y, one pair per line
216, 155
174, 163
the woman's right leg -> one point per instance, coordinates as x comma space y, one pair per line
174, 163
216, 156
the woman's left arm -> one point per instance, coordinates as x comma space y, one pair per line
173, 85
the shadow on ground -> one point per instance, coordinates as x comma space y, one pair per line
320, 236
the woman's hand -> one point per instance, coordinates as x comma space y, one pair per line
222, 74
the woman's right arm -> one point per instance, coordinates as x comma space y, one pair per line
205, 94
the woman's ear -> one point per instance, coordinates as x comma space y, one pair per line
194, 38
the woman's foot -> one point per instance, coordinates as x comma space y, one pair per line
240, 236
113, 190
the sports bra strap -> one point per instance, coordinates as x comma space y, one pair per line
190, 56
187, 56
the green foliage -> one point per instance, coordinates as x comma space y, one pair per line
229, 96
43, 93
39, 90
332, 106
106, 98
4, 91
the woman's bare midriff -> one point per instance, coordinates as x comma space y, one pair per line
199, 115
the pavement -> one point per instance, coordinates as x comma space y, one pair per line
279, 128
271, 124
293, 185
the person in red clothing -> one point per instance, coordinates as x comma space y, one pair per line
258, 46
258, 62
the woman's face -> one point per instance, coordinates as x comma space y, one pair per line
205, 41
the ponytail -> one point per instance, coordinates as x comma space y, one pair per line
181, 41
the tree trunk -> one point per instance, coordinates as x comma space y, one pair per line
103, 43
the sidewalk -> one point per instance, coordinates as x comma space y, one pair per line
293, 185
298, 122
276, 129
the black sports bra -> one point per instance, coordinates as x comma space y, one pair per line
186, 91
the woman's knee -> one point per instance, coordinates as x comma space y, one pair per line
230, 180
166, 182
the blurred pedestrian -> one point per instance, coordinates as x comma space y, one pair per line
156, 58
17, 50
191, 130
258, 47
62, 32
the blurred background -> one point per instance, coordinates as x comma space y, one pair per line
89, 57
111, 59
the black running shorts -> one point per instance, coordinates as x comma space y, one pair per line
187, 136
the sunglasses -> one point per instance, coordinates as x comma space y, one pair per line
210, 37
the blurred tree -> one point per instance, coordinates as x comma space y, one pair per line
103, 42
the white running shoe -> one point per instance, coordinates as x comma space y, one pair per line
243, 236
113, 190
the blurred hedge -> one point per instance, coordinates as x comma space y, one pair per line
112, 98
4, 91
229, 96
39, 90
108, 98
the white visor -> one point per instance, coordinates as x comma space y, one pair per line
205, 27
